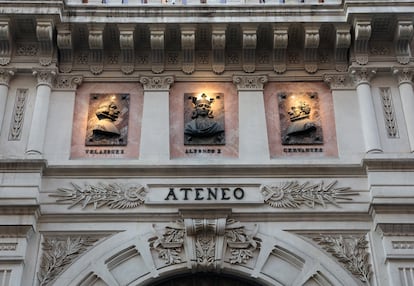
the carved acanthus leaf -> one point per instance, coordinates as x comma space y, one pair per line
45, 77
58, 254
293, 194
362, 75
250, 82
169, 244
404, 75
5, 76
241, 242
156, 82
351, 252
114, 196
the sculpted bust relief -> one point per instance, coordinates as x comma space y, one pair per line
107, 120
203, 128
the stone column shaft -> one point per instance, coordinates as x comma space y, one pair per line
407, 99
39, 118
368, 118
253, 139
155, 132
5, 76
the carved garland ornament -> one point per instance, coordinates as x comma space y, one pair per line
114, 196
293, 194
59, 253
351, 252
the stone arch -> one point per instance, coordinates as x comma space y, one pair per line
282, 259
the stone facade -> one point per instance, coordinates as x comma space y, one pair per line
242, 142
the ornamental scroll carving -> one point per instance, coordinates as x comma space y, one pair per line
44, 32
157, 82
204, 242
59, 253
218, 42
5, 42
294, 194
351, 251
403, 37
113, 196
250, 82
362, 36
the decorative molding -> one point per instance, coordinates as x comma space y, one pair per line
312, 40
342, 44
8, 246
404, 75
338, 81
362, 37
250, 82
187, 48
5, 76
59, 253
27, 49
126, 42
65, 46
169, 244
402, 40
293, 194
159, 83
280, 43
218, 42
389, 112
67, 82
113, 196
157, 48
402, 244
351, 252
95, 41
395, 229
249, 48
44, 33
18, 114
5, 42
362, 75
44, 77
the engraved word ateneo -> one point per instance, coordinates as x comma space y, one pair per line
209, 194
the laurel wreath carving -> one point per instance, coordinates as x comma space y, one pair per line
294, 195
351, 252
58, 254
114, 196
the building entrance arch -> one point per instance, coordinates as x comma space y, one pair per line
205, 279
175, 254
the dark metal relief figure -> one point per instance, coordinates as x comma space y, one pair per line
300, 118
107, 120
204, 119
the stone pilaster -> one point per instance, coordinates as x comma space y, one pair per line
253, 137
155, 135
362, 78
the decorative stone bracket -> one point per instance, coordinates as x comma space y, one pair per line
5, 42
218, 41
249, 48
403, 37
312, 40
187, 47
362, 36
126, 43
44, 33
65, 46
95, 40
342, 44
280, 43
157, 48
